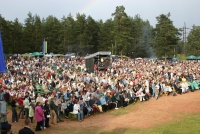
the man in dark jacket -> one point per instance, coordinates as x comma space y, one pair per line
26, 129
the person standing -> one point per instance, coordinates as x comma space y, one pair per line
58, 102
21, 106
14, 112
156, 90
153, 88
52, 111
31, 111
39, 115
3, 119
82, 105
46, 113
26, 106
26, 129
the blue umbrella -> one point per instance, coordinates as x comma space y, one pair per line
175, 59
68, 55
2, 59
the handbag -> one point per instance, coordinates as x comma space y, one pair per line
48, 116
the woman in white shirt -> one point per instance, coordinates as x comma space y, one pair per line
76, 110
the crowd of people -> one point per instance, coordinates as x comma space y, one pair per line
47, 90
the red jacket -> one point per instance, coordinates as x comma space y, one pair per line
7, 96
20, 101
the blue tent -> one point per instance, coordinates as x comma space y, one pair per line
68, 55
175, 59
2, 58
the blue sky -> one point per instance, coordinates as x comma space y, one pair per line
181, 10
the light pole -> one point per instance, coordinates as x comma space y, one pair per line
45, 45
184, 37
112, 46
174, 53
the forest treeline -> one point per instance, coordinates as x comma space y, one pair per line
121, 34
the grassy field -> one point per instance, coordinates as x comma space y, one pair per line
187, 125
182, 124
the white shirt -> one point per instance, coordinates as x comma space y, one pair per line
76, 108
26, 103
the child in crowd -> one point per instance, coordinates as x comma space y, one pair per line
63, 106
31, 111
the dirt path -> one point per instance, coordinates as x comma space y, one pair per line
139, 115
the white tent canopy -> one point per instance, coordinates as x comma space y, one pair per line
97, 53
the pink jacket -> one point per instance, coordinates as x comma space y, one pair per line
39, 114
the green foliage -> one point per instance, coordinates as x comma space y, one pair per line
122, 34
105, 36
166, 36
193, 45
122, 31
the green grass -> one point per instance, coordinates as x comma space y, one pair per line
184, 124
187, 125
181, 124
119, 112
125, 110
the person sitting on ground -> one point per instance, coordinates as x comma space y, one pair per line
114, 100
168, 89
108, 100
129, 96
69, 108
126, 97
140, 94
99, 105
26, 129
63, 106
92, 101
103, 103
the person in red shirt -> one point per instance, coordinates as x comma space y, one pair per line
7, 96
95, 69
140, 75
20, 103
